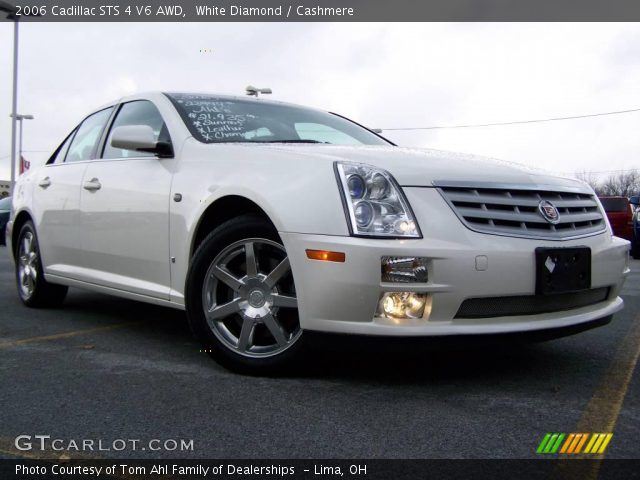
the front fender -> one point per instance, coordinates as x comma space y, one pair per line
299, 195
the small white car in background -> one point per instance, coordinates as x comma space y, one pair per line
264, 220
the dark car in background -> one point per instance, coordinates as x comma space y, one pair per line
620, 214
635, 241
5, 209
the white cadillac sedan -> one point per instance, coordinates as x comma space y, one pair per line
265, 220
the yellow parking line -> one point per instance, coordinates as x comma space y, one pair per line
57, 336
48, 455
602, 412
7, 446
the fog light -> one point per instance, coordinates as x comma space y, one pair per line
404, 269
402, 305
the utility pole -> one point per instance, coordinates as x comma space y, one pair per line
11, 11
14, 107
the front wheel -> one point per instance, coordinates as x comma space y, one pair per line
33, 289
241, 298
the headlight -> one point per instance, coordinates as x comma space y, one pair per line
374, 203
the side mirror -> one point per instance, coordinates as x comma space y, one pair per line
139, 138
635, 200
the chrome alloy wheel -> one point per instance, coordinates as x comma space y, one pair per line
249, 298
27, 265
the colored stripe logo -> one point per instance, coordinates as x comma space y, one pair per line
574, 443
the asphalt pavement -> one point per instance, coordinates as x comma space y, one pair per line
103, 368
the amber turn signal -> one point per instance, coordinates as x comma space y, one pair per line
325, 256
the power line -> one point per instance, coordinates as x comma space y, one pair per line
517, 122
622, 170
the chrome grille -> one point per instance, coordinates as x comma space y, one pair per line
514, 210
530, 304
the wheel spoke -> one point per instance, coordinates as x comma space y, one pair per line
277, 273
227, 278
275, 329
284, 301
26, 245
250, 255
33, 274
224, 310
246, 334
247, 321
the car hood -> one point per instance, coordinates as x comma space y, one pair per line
426, 167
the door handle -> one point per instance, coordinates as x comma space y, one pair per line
92, 185
45, 182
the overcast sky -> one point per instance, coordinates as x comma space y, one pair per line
381, 75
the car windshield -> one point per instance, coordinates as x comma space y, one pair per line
212, 119
614, 204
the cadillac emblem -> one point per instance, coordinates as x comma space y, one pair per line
549, 212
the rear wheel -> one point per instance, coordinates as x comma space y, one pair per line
241, 298
635, 248
33, 289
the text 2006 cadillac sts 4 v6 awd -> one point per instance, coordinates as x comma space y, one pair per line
265, 220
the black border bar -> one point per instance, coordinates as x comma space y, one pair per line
376, 469
325, 10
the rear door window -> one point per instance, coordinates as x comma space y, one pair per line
85, 140
58, 157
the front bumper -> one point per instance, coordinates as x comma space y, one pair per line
343, 297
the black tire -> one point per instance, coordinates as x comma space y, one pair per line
213, 248
40, 294
635, 248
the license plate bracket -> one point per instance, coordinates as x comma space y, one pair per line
561, 270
